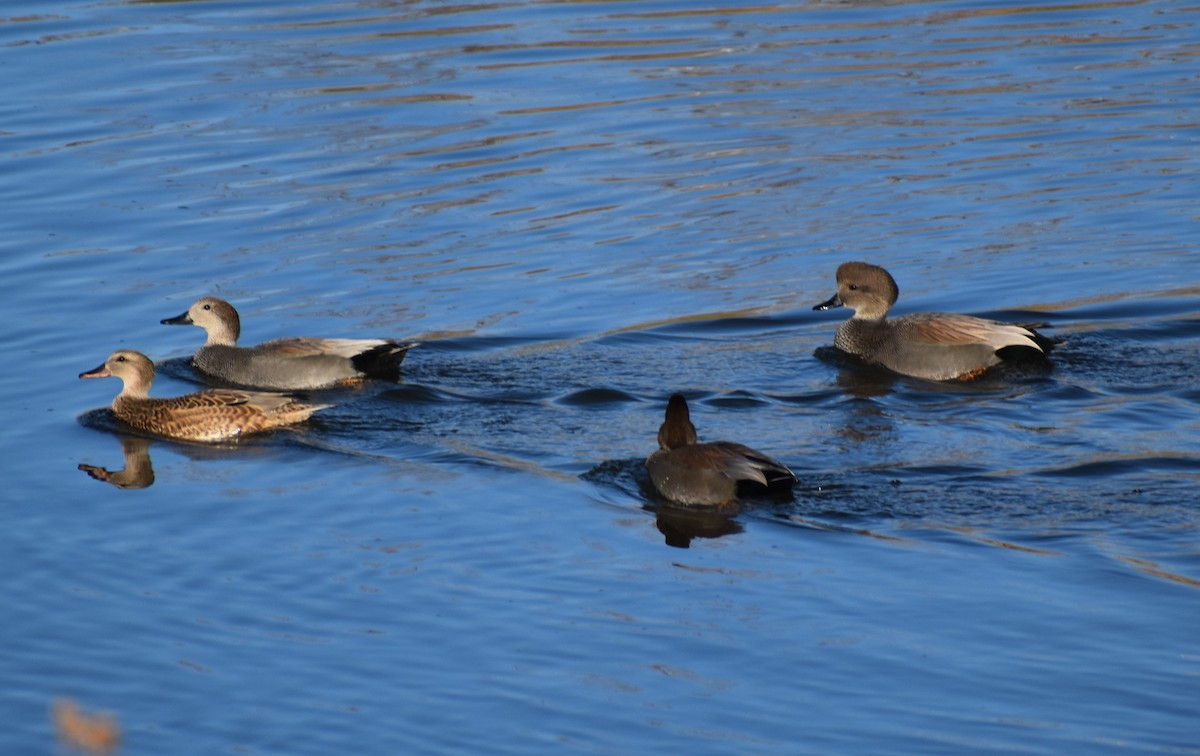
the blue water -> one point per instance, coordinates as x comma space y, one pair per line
579, 209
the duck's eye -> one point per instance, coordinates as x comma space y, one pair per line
853, 287
120, 358
208, 307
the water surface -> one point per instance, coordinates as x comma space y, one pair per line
579, 209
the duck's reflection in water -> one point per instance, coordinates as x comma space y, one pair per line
680, 525
138, 471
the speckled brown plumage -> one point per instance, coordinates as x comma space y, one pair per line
212, 415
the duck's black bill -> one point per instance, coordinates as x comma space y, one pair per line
826, 305
177, 320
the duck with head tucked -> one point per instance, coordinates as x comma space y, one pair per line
289, 364
937, 346
211, 415
688, 472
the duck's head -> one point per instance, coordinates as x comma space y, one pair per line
867, 289
677, 429
217, 317
135, 370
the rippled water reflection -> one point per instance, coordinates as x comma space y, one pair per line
578, 209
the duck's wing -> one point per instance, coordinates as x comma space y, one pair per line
951, 329
303, 346
239, 401
266, 402
744, 463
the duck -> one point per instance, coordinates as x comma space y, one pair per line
935, 346
288, 364
685, 471
210, 415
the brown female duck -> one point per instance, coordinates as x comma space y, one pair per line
212, 415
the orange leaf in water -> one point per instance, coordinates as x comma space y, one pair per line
93, 734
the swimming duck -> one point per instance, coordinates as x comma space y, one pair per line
289, 364
936, 346
688, 472
212, 415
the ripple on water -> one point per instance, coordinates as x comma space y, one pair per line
597, 396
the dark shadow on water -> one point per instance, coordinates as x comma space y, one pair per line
1133, 307
625, 475
756, 324
180, 368
702, 327
1141, 464
1161, 354
735, 399
481, 344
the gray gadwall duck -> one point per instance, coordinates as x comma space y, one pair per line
936, 346
688, 472
286, 364
212, 415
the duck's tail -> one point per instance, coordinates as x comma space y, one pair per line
382, 361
